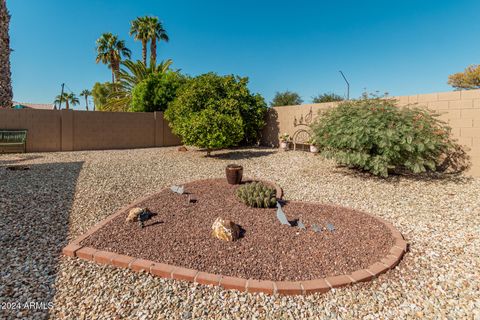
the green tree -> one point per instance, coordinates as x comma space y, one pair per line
376, 135
100, 94
469, 79
156, 32
132, 73
68, 98
5, 74
214, 112
110, 51
156, 91
327, 97
286, 98
139, 29
86, 93
213, 130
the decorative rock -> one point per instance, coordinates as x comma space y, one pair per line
133, 214
225, 230
300, 225
144, 216
178, 189
191, 198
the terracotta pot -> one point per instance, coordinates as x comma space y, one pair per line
234, 173
313, 148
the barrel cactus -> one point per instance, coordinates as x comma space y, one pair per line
257, 194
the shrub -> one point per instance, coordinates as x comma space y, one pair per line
211, 130
287, 98
215, 112
156, 91
375, 135
257, 194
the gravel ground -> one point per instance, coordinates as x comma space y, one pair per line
180, 234
64, 194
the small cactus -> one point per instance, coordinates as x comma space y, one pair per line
256, 194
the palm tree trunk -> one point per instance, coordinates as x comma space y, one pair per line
86, 102
5, 74
144, 52
153, 52
66, 104
114, 65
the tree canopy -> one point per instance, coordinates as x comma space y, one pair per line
213, 112
327, 97
155, 92
469, 79
110, 51
69, 99
286, 98
100, 94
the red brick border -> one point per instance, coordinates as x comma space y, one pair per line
390, 261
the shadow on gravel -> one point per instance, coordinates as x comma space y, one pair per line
442, 178
35, 206
241, 154
18, 158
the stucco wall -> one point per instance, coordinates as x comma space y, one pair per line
54, 130
461, 109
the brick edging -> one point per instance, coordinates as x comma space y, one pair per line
390, 261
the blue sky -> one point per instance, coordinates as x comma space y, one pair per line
402, 47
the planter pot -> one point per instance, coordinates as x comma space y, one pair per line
234, 173
313, 149
284, 145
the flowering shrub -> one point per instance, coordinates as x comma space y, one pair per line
375, 135
284, 137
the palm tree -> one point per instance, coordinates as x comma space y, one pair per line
69, 98
155, 32
133, 72
139, 30
86, 93
110, 51
5, 75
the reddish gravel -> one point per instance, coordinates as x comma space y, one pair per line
180, 234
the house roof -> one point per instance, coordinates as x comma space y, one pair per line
40, 106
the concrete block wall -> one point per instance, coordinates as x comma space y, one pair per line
44, 127
62, 130
460, 109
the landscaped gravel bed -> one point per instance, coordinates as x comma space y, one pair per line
180, 234
64, 194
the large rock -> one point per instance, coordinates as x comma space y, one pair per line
225, 230
133, 214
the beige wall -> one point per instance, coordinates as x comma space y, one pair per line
461, 109
44, 127
54, 130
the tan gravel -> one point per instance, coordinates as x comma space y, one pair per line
64, 194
